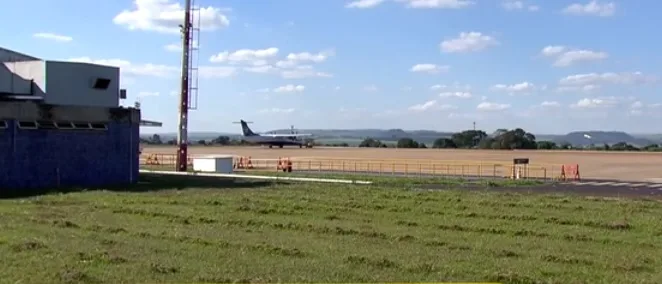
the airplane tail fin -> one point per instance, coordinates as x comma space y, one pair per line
246, 130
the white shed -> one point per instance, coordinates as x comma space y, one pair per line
213, 164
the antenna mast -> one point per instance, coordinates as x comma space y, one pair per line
182, 134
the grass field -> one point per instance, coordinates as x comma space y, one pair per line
181, 230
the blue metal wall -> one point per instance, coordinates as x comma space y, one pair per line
71, 158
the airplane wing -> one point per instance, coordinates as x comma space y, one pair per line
286, 135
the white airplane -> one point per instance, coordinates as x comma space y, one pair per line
271, 140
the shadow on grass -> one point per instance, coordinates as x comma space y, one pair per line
147, 182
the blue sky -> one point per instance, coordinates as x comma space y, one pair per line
545, 66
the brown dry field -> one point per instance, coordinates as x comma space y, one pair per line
626, 166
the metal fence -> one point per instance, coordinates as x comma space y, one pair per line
381, 167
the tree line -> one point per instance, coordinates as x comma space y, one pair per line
503, 139
220, 140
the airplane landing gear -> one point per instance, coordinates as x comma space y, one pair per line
271, 146
280, 146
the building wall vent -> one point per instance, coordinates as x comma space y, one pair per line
27, 124
101, 83
46, 124
64, 125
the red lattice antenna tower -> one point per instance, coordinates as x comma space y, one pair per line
184, 99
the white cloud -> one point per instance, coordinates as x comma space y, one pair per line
362, 4
289, 89
177, 47
250, 56
165, 16
440, 4
304, 71
607, 78
430, 105
429, 68
592, 8
264, 61
511, 5
588, 103
581, 89
462, 95
148, 94
294, 59
456, 86
212, 72
488, 106
260, 69
307, 56
552, 50
571, 57
54, 37
550, 104
424, 106
566, 56
523, 87
468, 42
278, 110
126, 67
370, 88
637, 105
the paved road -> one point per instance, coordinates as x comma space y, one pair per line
603, 188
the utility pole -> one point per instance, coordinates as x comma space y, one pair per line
474, 126
182, 134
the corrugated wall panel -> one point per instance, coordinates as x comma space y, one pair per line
79, 158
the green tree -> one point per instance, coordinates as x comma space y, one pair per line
443, 143
372, 143
407, 143
221, 140
468, 138
156, 139
546, 145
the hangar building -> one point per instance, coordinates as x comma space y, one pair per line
61, 125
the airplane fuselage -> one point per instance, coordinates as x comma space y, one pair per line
271, 140
279, 141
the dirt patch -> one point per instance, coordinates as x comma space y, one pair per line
627, 166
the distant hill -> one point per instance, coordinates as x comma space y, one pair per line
602, 137
576, 138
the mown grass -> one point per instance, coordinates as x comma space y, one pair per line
326, 233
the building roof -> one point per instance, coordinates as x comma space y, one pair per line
8, 55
